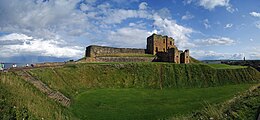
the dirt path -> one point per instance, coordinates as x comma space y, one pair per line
55, 95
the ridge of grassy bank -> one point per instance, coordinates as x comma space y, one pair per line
245, 105
74, 78
20, 100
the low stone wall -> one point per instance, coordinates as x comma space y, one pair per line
95, 51
120, 59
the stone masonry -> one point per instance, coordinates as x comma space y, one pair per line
161, 46
165, 49
101, 51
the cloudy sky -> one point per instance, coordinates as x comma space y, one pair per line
57, 30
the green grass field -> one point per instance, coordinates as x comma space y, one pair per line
152, 104
225, 66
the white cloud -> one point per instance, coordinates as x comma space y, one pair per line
206, 23
129, 37
40, 47
42, 18
230, 9
187, 16
85, 7
139, 24
211, 4
212, 55
171, 28
164, 13
118, 15
254, 52
56, 23
15, 36
255, 14
143, 6
228, 25
215, 41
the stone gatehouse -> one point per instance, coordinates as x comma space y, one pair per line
162, 47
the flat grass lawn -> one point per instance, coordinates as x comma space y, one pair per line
152, 104
225, 66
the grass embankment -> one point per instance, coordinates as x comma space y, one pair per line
148, 104
193, 60
123, 80
73, 79
20, 100
225, 66
245, 106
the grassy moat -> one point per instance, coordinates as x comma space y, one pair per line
129, 91
152, 104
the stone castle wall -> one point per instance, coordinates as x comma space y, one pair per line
99, 51
124, 59
161, 46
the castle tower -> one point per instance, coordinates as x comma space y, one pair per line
174, 55
185, 57
159, 43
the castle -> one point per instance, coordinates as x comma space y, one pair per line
161, 48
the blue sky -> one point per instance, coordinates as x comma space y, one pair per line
57, 30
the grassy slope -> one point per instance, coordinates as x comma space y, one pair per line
75, 79
72, 79
242, 107
21, 100
225, 66
193, 60
152, 104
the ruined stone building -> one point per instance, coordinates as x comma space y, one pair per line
162, 47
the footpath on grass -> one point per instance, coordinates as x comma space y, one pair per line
55, 95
